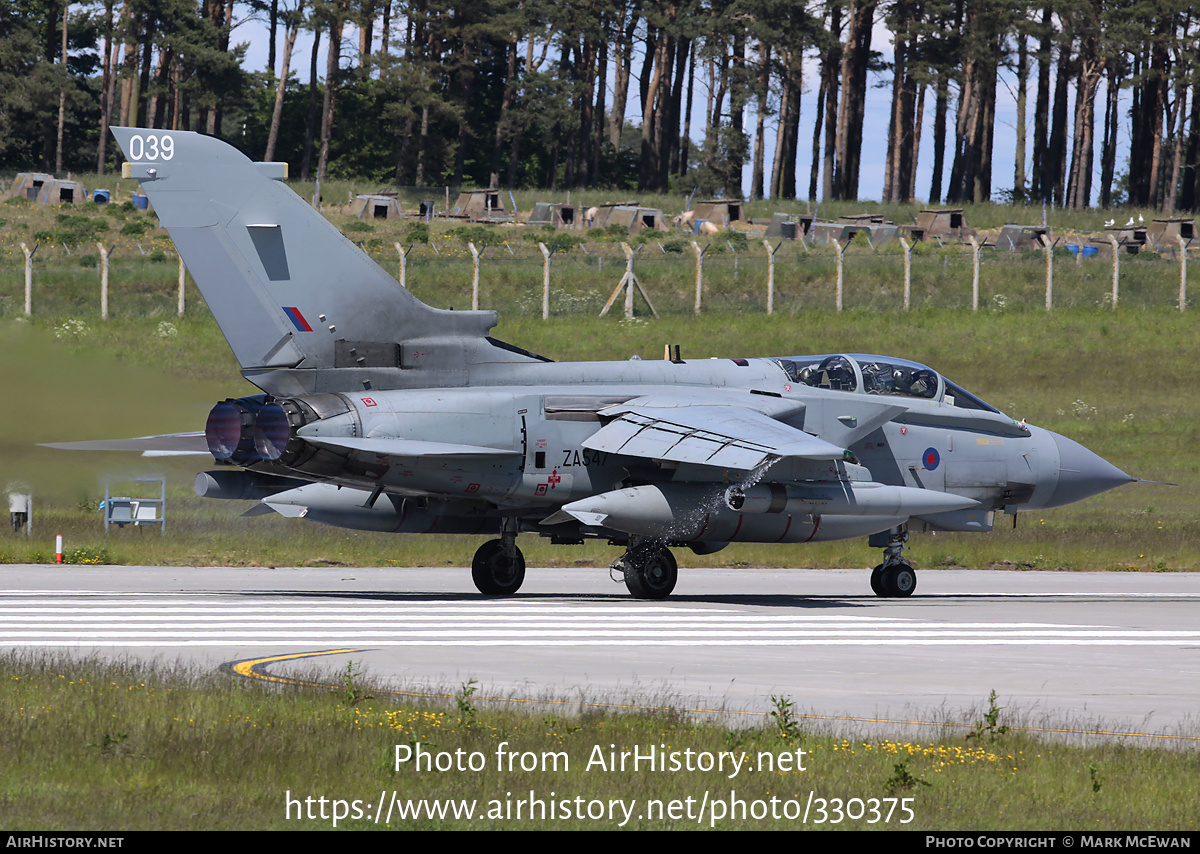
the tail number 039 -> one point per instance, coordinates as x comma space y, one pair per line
151, 147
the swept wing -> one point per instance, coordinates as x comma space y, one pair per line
714, 435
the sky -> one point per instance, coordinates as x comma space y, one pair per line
875, 129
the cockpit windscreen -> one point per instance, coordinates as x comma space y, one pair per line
878, 375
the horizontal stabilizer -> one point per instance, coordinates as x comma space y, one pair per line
176, 443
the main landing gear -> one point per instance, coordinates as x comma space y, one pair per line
894, 577
650, 570
498, 567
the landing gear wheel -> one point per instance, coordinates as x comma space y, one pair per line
893, 578
898, 580
877, 581
497, 571
650, 572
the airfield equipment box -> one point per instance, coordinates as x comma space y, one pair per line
122, 510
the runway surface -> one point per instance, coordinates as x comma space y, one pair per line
1114, 651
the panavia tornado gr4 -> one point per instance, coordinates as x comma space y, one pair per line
381, 413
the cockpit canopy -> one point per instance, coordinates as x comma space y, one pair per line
884, 375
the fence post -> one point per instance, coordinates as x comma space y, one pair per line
907, 272
630, 276
771, 275
1182, 272
474, 277
974, 273
841, 250
699, 272
29, 277
546, 253
628, 282
1116, 265
404, 253
104, 256
1049, 276
182, 279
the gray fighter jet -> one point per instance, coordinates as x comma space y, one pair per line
381, 413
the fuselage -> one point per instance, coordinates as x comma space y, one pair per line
529, 423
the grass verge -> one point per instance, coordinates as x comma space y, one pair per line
94, 745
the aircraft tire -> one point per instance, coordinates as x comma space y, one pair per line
898, 581
650, 572
877, 581
494, 573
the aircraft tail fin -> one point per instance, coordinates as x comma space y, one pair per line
289, 291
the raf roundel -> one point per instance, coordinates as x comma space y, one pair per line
930, 459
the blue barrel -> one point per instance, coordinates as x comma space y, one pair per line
100, 197
141, 201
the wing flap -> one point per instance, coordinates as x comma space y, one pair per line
719, 436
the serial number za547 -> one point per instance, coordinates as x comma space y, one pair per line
582, 457
152, 146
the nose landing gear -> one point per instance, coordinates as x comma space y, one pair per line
894, 578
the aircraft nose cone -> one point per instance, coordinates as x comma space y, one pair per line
1083, 474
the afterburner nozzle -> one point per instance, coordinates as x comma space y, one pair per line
223, 430
271, 432
246, 429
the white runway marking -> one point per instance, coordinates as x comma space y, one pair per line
98, 619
